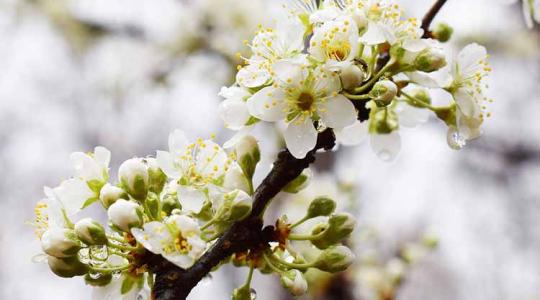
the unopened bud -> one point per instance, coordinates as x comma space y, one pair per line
90, 232
430, 60
321, 206
339, 227
423, 97
125, 214
335, 259
60, 242
294, 282
443, 32
67, 267
98, 279
299, 183
169, 203
248, 155
236, 206
133, 174
384, 92
110, 193
351, 76
156, 177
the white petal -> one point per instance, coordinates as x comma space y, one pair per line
165, 162
252, 76
415, 45
374, 35
102, 156
353, 134
197, 246
423, 79
235, 179
469, 57
300, 137
234, 113
337, 112
190, 198
187, 226
153, 237
178, 142
237, 137
73, 193
386, 146
268, 104
289, 72
466, 102
410, 116
182, 260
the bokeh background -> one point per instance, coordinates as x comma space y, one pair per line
79, 73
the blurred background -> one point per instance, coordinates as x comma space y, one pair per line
123, 74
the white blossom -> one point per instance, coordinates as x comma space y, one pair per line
177, 239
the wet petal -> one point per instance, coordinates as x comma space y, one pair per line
353, 134
300, 136
268, 104
386, 146
337, 112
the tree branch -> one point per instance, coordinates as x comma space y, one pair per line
428, 18
174, 283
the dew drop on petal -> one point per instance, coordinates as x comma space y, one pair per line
253, 294
455, 139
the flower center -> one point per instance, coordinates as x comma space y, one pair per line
305, 101
181, 244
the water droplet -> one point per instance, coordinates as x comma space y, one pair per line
456, 140
385, 155
253, 294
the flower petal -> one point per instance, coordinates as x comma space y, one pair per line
234, 113
268, 104
210, 159
166, 163
191, 198
353, 134
337, 112
300, 136
178, 142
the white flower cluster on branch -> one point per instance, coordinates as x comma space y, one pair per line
326, 62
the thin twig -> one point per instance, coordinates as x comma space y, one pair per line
431, 14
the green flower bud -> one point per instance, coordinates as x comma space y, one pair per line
242, 293
67, 267
90, 232
335, 259
384, 92
169, 203
110, 193
98, 279
443, 32
430, 60
299, 183
321, 206
422, 95
60, 242
339, 227
383, 121
152, 205
125, 215
351, 76
156, 177
294, 282
248, 155
133, 174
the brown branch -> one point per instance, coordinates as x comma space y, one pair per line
428, 18
175, 283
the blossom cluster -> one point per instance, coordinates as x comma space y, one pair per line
175, 205
326, 64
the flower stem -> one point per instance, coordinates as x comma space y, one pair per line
364, 87
108, 270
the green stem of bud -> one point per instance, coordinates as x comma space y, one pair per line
272, 266
357, 97
299, 222
422, 103
122, 247
374, 79
109, 270
306, 237
290, 265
